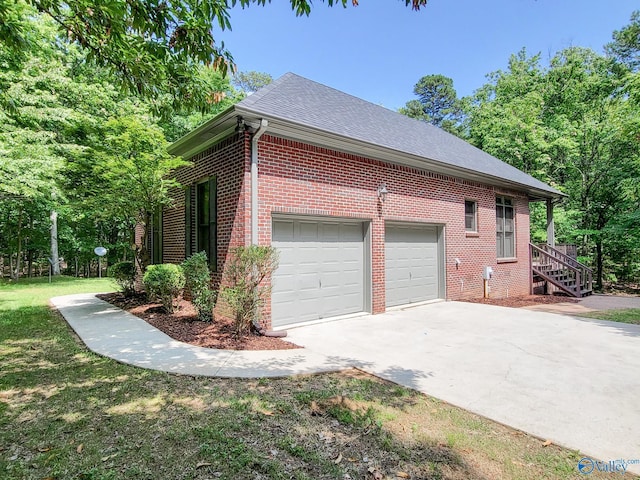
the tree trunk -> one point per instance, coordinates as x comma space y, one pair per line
599, 264
15, 275
55, 257
30, 263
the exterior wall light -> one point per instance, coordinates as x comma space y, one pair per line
382, 192
240, 125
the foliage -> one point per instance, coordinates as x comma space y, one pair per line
178, 123
245, 276
626, 43
154, 49
165, 282
437, 103
134, 162
569, 124
124, 274
198, 285
249, 82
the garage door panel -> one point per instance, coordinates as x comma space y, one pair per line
324, 265
411, 264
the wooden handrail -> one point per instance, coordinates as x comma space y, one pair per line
581, 274
548, 248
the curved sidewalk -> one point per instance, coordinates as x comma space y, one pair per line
111, 332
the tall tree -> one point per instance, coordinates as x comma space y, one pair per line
437, 103
249, 82
568, 124
64, 130
625, 46
134, 163
505, 116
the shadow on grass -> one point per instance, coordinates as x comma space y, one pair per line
620, 328
70, 414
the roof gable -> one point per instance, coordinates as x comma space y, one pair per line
305, 102
299, 106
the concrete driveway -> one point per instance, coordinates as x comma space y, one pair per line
573, 381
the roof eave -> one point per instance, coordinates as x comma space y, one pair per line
203, 135
309, 134
223, 124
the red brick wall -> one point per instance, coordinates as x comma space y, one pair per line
229, 160
303, 179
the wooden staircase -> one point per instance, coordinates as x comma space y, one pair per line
551, 266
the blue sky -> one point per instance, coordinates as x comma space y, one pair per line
378, 50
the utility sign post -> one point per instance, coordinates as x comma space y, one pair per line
100, 252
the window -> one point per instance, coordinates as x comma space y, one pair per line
187, 222
156, 237
470, 216
505, 228
206, 220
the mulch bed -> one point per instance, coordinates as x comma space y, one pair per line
525, 300
184, 326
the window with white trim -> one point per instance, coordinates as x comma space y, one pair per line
505, 228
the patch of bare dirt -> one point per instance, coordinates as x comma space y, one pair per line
623, 289
184, 326
524, 300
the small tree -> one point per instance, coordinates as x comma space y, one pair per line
124, 274
246, 292
198, 285
165, 282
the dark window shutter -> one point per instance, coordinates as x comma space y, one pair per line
213, 223
187, 222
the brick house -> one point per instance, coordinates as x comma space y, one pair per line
368, 208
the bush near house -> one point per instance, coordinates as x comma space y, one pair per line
165, 282
124, 275
198, 285
246, 291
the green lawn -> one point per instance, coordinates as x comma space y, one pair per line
66, 413
629, 315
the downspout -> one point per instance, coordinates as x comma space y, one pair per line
254, 208
254, 180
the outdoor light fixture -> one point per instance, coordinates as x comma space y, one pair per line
240, 125
382, 192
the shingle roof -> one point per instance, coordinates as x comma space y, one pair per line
302, 101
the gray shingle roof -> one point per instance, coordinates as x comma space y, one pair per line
305, 102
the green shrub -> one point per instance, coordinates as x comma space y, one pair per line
245, 293
198, 285
124, 274
164, 282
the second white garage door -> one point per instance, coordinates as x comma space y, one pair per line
321, 270
411, 264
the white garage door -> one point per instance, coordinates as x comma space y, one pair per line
321, 270
411, 264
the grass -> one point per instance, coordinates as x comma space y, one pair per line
66, 413
628, 315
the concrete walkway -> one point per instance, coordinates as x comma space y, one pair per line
111, 332
589, 304
573, 381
